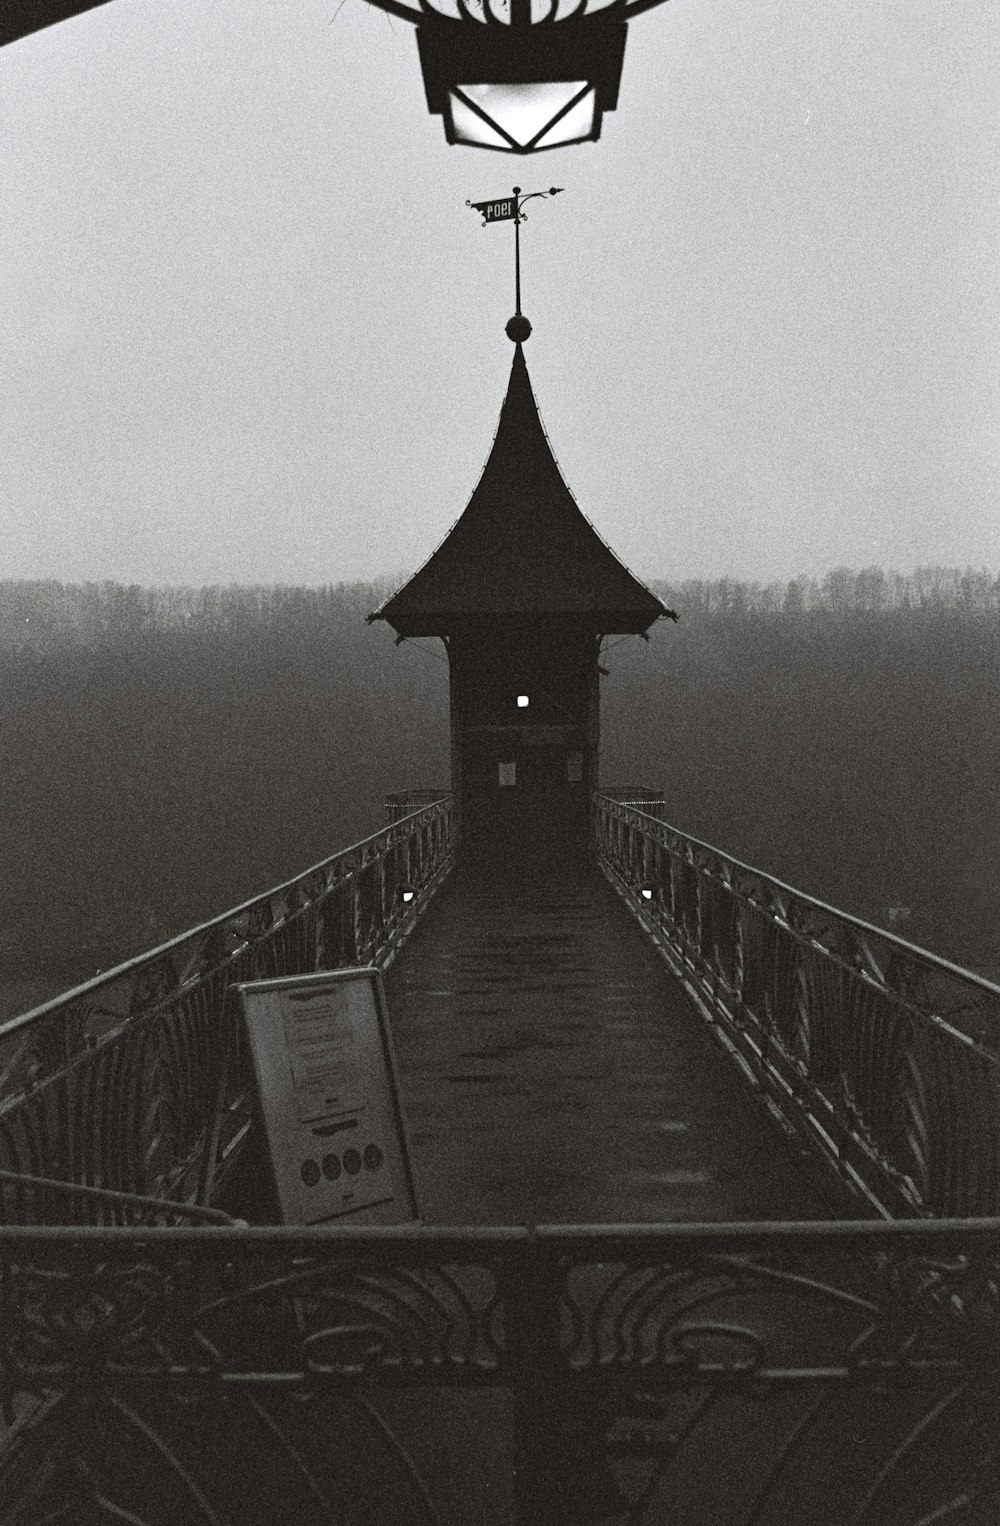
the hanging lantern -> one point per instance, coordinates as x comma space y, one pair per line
521, 89
519, 75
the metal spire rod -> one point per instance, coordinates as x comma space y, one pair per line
519, 201
507, 209
517, 251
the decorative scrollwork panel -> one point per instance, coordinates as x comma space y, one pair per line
844, 1373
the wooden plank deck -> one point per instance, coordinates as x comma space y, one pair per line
554, 1071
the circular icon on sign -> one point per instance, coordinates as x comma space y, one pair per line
310, 1173
373, 1157
352, 1162
331, 1167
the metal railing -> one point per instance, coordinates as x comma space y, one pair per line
404, 802
649, 800
114, 1086
878, 1055
831, 1373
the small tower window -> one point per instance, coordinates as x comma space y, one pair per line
523, 702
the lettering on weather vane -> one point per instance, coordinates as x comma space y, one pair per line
496, 211
507, 209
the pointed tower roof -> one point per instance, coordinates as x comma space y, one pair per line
522, 549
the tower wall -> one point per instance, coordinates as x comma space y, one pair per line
522, 774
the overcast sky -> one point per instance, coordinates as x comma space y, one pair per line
251, 332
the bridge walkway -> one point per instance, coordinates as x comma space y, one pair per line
553, 1070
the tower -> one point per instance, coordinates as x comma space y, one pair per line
521, 591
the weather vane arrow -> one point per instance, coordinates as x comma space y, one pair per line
509, 209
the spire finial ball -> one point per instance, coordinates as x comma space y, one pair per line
518, 328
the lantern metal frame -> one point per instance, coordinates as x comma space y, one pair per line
516, 15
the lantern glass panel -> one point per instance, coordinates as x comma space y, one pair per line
576, 124
520, 114
470, 128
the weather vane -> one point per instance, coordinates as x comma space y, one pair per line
508, 209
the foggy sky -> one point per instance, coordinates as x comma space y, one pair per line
251, 332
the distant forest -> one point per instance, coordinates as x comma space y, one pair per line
167, 753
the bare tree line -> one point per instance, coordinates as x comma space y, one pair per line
41, 613
843, 591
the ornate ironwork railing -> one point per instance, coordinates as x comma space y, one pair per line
739, 1374
404, 802
114, 1085
879, 1055
649, 800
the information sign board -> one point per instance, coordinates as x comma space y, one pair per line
329, 1097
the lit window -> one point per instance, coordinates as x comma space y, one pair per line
522, 702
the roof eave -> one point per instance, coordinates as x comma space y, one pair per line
606, 622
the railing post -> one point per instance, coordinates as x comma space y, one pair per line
532, 1318
356, 910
